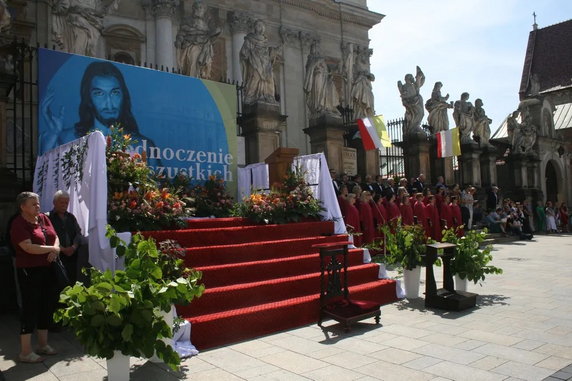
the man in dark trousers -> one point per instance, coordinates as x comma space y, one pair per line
492, 198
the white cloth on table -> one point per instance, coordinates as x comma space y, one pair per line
79, 168
252, 177
317, 176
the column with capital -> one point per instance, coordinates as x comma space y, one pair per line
163, 10
240, 23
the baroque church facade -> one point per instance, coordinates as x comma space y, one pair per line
297, 60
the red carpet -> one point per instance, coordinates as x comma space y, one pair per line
262, 279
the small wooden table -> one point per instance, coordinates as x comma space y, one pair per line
446, 298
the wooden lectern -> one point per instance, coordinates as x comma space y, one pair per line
279, 162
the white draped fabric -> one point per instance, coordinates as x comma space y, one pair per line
252, 177
79, 168
317, 176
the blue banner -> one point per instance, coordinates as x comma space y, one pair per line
184, 124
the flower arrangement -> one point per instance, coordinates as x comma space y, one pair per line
120, 311
211, 198
290, 201
135, 202
471, 262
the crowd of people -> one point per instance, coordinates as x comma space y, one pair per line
367, 204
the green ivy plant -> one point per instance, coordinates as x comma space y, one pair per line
121, 310
405, 244
471, 260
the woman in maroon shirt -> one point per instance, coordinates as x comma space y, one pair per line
36, 244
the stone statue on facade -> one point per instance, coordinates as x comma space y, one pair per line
482, 129
5, 18
77, 24
256, 60
195, 43
412, 101
437, 107
321, 93
361, 91
522, 136
463, 114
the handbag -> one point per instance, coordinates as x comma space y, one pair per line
60, 272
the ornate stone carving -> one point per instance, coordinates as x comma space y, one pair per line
522, 136
321, 93
257, 58
289, 36
308, 39
195, 43
412, 101
239, 22
164, 8
348, 71
5, 18
482, 130
77, 24
437, 107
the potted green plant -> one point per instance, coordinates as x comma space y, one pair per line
119, 314
405, 246
471, 261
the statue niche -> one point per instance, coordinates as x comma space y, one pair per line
437, 107
361, 90
195, 43
321, 93
463, 114
257, 58
521, 134
413, 102
482, 129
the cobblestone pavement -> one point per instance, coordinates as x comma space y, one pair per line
521, 329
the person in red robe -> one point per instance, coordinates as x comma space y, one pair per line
393, 212
419, 212
433, 219
379, 214
352, 219
446, 213
343, 199
406, 211
366, 218
456, 216
426, 194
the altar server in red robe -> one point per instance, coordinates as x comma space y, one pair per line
393, 212
379, 214
343, 199
366, 218
456, 216
426, 194
446, 213
433, 217
419, 212
406, 211
352, 219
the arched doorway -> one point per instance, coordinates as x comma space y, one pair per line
551, 183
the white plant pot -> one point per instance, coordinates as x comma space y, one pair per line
168, 317
461, 284
411, 280
118, 367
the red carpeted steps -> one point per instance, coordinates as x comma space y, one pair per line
262, 278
